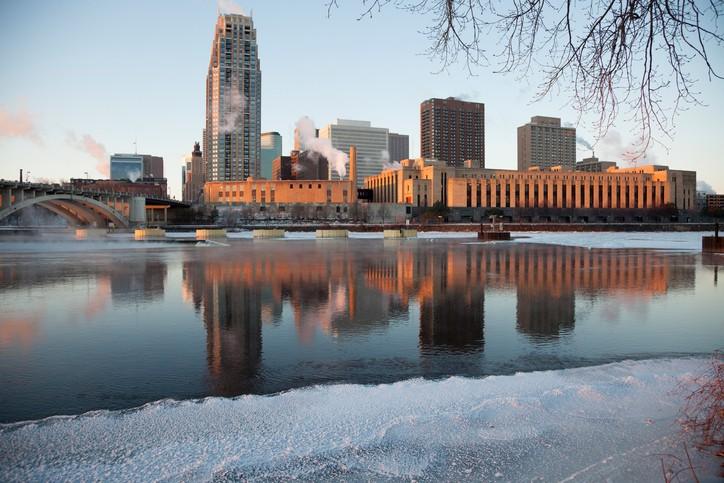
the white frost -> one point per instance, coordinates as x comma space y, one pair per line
524, 426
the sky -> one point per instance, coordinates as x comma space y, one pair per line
83, 79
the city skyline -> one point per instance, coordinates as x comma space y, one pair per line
61, 130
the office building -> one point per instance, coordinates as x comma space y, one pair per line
453, 130
371, 143
233, 102
715, 202
271, 148
544, 143
421, 182
399, 146
306, 165
194, 176
594, 165
282, 168
135, 166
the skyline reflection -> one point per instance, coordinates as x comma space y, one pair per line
114, 330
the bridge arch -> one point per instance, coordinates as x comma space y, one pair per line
83, 202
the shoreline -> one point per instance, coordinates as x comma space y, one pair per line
441, 227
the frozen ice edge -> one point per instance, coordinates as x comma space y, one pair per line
592, 423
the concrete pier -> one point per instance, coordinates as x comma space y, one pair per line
332, 233
90, 233
713, 244
493, 235
149, 233
401, 233
267, 233
210, 234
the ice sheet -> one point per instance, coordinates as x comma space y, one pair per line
588, 424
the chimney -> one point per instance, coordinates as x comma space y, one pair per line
21, 175
353, 172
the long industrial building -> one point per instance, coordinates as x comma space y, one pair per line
421, 182
262, 191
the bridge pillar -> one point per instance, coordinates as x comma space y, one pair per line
19, 195
137, 210
7, 197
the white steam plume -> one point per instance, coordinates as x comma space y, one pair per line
613, 147
229, 6
18, 125
705, 187
309, 141
234, 104
134, 175
386, 164
584, 143
92, 147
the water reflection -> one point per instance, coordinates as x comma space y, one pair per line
268, 316
230, 304
346, 292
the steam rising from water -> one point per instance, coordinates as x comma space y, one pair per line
309, 141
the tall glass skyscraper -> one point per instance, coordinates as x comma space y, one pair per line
233, 102
271, 148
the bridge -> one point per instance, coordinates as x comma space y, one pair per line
81, 207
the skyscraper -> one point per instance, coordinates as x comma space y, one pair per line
232, 146
370, 142
194, 176
544, 143
453, 131
399, 146
271, 148
136, 166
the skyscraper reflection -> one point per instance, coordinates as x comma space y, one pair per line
345, 291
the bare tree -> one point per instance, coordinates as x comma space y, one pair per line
635, 57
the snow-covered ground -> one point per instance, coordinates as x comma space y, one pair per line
603, 423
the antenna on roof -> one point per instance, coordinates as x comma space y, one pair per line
135, 147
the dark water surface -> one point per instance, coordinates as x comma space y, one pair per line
115, 328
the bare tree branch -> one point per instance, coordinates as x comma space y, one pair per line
635, 55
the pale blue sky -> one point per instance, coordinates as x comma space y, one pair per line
135, 70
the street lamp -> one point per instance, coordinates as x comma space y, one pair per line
27, 177
86, 174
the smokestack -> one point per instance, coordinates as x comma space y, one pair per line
353, 172
21, 175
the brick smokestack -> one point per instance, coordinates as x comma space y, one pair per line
353, 172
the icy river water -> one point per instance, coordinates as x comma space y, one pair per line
554, 356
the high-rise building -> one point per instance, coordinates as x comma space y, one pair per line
282, 168
136, 166
371, 143
152, 166
194, 176
399, 146
300, 165
453, 131
233, 102
543, 143
271, 148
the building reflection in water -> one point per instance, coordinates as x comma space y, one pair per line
348, 291
138, 281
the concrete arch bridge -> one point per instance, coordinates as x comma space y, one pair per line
79, 208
